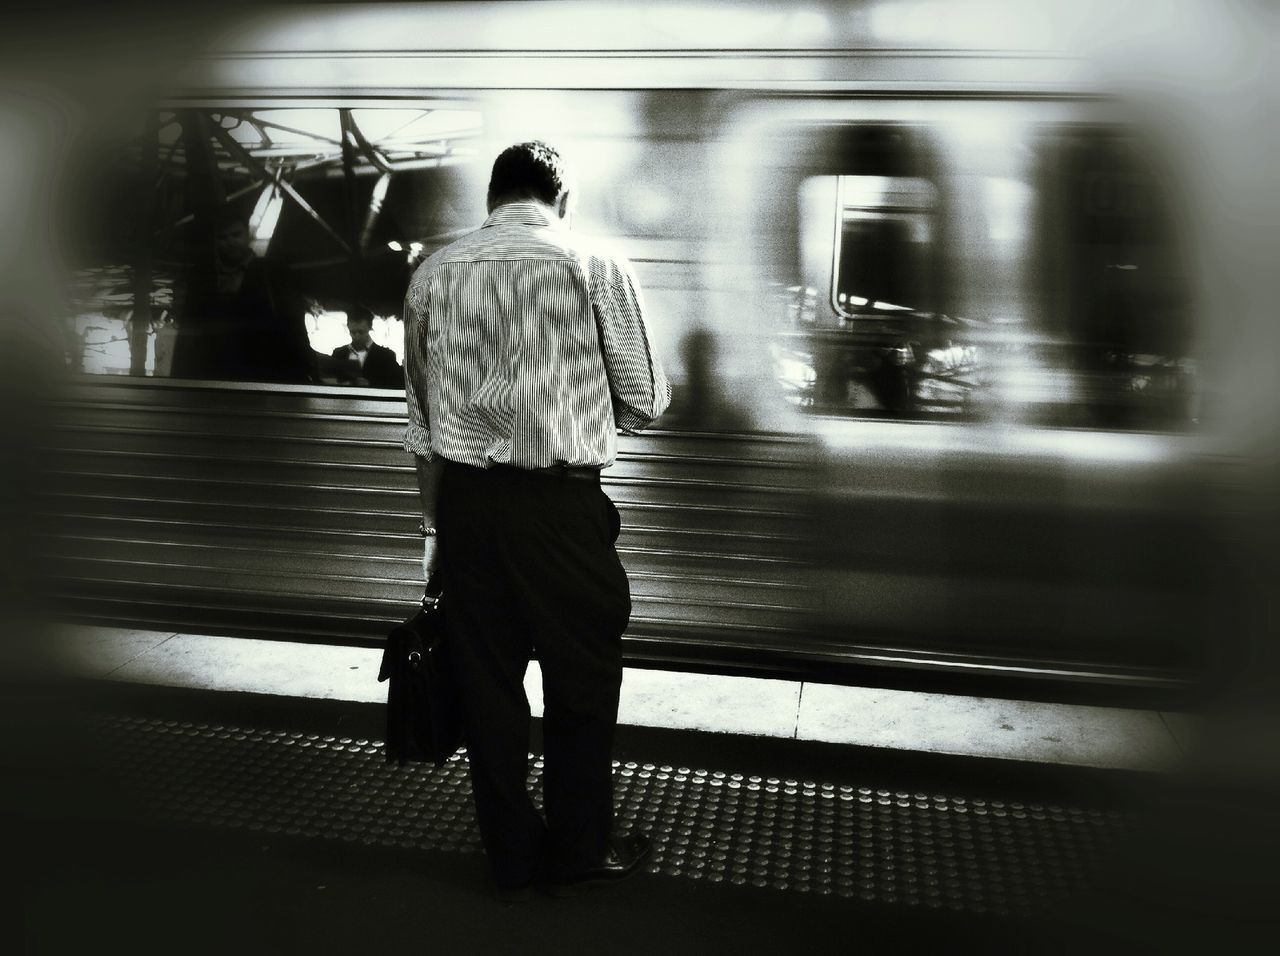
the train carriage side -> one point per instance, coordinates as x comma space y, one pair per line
288, 509
980, 306
863, 475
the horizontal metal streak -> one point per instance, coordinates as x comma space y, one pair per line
637, 458
712, 557
218, 436
195, 568
127, 614
694, 508
648, 575
220, 517
412, 514
855, 655
406, 492
399, 419
413, 539
701, 52
239, 548
224, 459
729, 536
653, 630
630, 530
193, 410
607, 481
388, 445
718, 556
151, 612
769, 464
380, 581
639, 625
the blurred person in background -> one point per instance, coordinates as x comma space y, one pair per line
364, 362
234, 325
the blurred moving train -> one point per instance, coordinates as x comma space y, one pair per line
926, 278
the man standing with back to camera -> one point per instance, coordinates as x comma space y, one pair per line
526, 351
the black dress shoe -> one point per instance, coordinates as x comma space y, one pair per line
623, 858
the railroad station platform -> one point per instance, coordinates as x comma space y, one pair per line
1045, 733
197, 793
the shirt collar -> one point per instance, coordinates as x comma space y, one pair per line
521, 213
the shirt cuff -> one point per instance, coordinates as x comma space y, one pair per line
418, 441
628, 419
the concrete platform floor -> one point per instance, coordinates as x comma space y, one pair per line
146, 818
1045, 733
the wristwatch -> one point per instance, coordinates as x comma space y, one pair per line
425, 531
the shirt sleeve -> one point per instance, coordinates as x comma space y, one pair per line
417, 436
637, 381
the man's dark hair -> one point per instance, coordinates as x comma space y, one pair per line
531, 170
359, 313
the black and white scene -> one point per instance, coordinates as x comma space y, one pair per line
696, 476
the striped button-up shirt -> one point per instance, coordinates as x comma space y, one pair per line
525, 347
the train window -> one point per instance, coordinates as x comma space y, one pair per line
865, 335
883, 224
249, 237
1111, 280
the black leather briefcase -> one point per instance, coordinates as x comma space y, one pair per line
424, 720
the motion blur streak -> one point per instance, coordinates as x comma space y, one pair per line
72, 79
77, 82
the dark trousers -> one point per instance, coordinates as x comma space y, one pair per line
529, 565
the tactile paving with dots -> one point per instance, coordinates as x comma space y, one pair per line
877, 845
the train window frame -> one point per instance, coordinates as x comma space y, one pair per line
153, 116
869, 307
